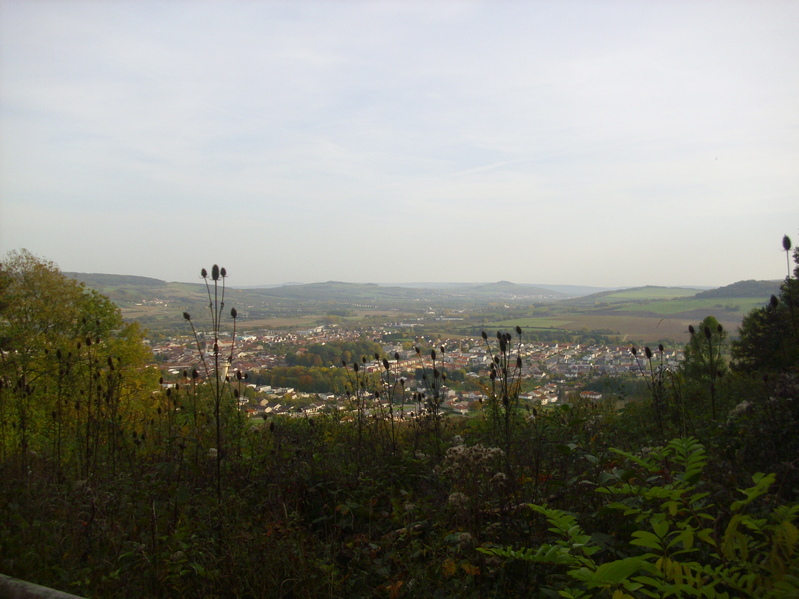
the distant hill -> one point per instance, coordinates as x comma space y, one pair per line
647, 292
508, 290
96, 280
750, 288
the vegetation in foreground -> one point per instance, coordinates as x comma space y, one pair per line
112, 486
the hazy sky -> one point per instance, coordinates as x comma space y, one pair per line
561, 142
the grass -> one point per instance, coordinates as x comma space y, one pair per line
678, 306
650, 293
532, 323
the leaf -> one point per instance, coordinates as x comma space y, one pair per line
448, 568
646, 539
614, 572
470, 569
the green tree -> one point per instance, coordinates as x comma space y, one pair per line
70, 367
768, 336
705, 364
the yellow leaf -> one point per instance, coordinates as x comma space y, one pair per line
448, 568
470, 569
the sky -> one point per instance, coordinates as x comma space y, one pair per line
600, 143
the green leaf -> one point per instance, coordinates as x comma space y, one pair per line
646, 539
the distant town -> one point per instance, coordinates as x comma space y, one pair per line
551, 372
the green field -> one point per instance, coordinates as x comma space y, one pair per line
531, 323
678, 306
650, 293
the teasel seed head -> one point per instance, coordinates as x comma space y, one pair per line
518, 330
223, 272
648, 352
786, 243
485, 335
633, 350
187, 316
204, 273
691, 329
385, 364
660, 348
215, 272
708, 334
774, 302
233, 313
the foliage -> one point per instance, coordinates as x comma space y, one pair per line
71, 372
137, 489
769, 339
676, 547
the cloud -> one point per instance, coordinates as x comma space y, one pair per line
398, 127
